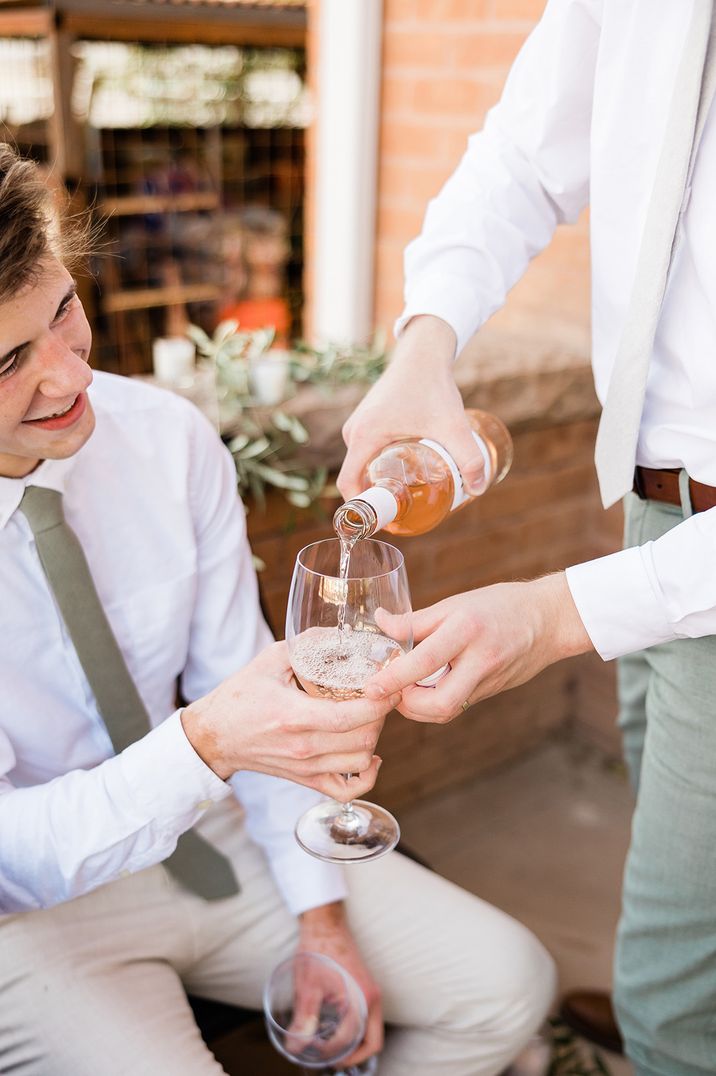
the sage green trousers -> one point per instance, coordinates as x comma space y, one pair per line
665, 978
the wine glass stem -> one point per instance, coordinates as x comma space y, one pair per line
348, 819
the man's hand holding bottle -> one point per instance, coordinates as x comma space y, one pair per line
416, 396
493, 638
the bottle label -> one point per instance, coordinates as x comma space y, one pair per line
383, 504
460, 496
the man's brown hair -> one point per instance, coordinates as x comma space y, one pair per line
32, 226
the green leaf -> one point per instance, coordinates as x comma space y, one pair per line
301, 500
298, 431
199, 337
238, 442
280, 479
282, 421
224, 330
254, 448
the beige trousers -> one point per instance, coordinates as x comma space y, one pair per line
96, 986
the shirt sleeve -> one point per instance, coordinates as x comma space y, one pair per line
524, 173
89, 827
654, 593
228, 630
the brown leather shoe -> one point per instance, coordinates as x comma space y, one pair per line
590, 1014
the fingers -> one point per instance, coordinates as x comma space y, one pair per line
343, 789
318, 745
361, 449
306, 1009
443, 703
470, 461
323, 715
398, 626
372, 1042
274, 661
435, 651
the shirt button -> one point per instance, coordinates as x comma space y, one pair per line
203, 805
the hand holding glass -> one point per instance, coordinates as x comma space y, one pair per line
336, 644
315, 1012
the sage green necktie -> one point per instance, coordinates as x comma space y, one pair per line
694, 87
195, 863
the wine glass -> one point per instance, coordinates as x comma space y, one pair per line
315, 1012
336, 641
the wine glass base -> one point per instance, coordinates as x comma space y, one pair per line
319, 832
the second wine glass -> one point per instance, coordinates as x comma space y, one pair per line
340, 630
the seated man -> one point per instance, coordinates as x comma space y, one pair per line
124, 569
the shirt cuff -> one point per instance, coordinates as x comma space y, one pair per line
447, 298
167, 779
305, 882
620, 602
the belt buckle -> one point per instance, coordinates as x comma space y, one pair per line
638, 487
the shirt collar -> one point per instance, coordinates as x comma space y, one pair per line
51, 474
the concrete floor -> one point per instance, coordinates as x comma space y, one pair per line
543, 838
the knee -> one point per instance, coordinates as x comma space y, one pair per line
525, 988
507, 993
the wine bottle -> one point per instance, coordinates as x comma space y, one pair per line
415, 484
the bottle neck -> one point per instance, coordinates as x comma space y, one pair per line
354, 520
365, 514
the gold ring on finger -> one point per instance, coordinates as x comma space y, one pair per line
466, 705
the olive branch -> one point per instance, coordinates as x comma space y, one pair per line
266, 443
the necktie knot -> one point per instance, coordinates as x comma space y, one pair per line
42, 508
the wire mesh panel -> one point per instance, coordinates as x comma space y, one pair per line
26, 94
196, 157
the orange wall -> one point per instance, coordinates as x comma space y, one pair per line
444, 64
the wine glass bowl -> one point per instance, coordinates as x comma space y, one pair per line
345, 621
330, 1028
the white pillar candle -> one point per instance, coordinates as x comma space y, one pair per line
173, 359
267, 377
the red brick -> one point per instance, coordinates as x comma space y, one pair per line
399, 224
510, 10
453, 96
435, 10
410, 182
413, 139
397, 95
473, 51
413, 49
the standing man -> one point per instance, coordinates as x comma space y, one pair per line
126, 872
609, 102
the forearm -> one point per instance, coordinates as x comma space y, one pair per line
426, 342
558, 623
325, 919
86, 828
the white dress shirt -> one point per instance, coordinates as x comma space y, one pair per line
582, 119
152, 498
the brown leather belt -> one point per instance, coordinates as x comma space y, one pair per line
653, 485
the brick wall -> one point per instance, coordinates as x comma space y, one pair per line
444, 65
